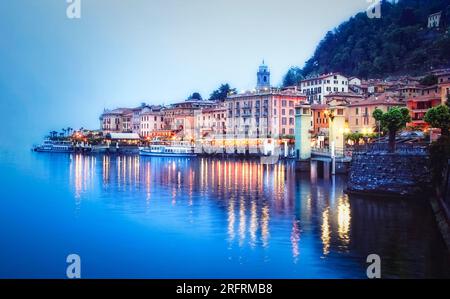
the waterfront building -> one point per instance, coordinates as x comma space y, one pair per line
151, 121
211, 122
181, 117
263, 113
118, 120
320, 122
430, 97
303, 128
359, 113
317, 88
122, 138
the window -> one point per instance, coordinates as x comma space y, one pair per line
284, 121
283, 103
283, 112
357, 111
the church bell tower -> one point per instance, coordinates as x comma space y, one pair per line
263, 77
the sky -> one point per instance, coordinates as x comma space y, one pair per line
57, 72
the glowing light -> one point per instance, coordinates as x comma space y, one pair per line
326, 233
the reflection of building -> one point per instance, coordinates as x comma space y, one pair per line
263, 112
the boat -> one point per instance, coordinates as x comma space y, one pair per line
51, 146
168, 150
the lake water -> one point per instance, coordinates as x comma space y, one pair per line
136, 217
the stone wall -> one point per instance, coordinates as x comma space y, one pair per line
390, 174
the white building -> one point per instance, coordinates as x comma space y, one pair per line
151, 120
434, 20
317, 88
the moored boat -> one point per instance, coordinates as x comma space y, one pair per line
168, 150
50, 146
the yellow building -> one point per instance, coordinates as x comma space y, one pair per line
359, 114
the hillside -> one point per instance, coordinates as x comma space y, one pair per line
398, 43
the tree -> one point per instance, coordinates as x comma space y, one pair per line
396, 44
222, 93
293, 76
354, 137
196, 96
429, 80
439, 117
394, 120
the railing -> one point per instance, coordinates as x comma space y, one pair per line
338, 152
401, 148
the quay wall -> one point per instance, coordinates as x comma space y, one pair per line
390, 174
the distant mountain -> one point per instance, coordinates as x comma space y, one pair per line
400, 42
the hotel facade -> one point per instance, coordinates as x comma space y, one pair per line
265, 112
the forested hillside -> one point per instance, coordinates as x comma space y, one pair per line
400, 42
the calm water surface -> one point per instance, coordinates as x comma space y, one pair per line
138, 217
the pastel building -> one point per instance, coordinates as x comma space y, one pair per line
116, 121
151, 121
211, 122
360, 114
430, 97
181, 117
263, 113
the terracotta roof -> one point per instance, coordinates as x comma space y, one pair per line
383, 99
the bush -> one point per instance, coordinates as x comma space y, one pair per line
439, 155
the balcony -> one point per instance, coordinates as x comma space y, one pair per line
246, 114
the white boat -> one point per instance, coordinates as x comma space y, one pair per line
168, 150
51, 146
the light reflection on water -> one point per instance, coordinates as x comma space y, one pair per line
239, 218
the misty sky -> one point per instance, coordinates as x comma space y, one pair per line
57, 72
